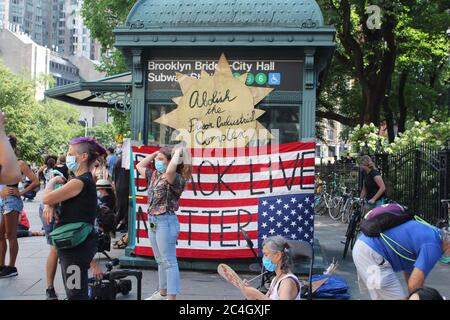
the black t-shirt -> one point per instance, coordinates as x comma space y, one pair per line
83, 207
370, 184
64, 170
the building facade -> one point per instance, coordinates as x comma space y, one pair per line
4, 12
56, 24
23, 56
333, 145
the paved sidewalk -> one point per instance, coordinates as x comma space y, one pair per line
31, 284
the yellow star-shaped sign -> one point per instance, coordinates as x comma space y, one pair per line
217, 110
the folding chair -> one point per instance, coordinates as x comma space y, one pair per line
300, 250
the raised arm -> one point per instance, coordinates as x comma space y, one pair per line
144, 164
172, 166
25, 168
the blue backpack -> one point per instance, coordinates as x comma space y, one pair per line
334, 288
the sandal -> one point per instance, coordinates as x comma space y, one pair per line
122, 243
122, 239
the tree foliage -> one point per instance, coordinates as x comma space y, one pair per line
386, 74
40, 127
104, 133
101, 17
365, 139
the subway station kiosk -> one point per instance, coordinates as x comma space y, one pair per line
283, 45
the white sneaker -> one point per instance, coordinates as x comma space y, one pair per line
156, 296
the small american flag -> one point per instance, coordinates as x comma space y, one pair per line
262, 191
290, 216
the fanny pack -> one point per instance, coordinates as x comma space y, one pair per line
70, 235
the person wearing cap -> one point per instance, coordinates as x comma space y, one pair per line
105, 194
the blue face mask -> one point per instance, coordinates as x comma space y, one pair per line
160, 166
445, 259
268, 264
72, 164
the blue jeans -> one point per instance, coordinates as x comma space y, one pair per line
163, 239
48, 227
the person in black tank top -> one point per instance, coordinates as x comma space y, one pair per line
78, 198
373, 190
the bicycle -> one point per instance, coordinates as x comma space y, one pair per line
346, 210
445, 223
337, 204
322, 201
353, 225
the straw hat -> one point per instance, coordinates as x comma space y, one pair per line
103, 184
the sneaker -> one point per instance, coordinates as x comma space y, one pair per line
8, 272
51, 294
156, 296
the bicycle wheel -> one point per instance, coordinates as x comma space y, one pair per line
335, 208
350, 234
347, 211
355, 237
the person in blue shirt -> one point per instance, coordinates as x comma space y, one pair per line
111, 160
412, 248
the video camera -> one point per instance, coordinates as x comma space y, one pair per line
113, 283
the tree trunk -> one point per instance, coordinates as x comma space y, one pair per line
388, 114
402, 101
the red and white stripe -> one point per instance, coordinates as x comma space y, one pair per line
215, 235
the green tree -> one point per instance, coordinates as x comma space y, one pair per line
104, 133
370, 62
40, 127
101, 17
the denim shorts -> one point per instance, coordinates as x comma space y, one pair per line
11, 203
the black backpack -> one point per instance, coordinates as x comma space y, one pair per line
383, 218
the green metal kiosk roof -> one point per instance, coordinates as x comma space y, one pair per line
224, 22
107, 92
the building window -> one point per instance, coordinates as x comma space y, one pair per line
282, 118
159, 134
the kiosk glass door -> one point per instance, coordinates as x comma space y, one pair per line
159, 134
283, 118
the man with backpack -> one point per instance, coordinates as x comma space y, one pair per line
393, 240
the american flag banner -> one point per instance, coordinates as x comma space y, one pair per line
265, 191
